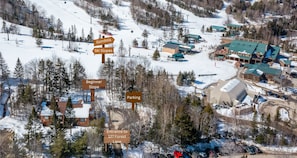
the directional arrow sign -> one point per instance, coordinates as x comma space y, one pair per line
108, 50
102, 41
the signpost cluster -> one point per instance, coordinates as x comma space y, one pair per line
100, 48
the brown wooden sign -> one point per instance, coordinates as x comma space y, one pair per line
108, 50
133, 97
116, 136
93, 84
102, 41
102, 50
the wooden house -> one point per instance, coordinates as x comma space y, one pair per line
170, 48
81, 113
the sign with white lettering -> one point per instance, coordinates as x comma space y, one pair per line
93, 84
116, 136
133, 97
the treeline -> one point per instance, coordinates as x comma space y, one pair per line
42, 77
178, 119
277, 17
24, 13
201, 8
150, 12
97, 9
260, 9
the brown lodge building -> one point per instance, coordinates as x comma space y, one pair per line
81, 112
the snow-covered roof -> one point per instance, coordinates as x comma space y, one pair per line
234, 55
82, 112
259, 72
230, 85
46, 111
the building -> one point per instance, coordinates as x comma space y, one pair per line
46, 114
228, 92
193, 37
248, 51
81, 113
170, 48
234, 26
218, 28
261, 72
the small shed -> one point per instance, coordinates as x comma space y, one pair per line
170, 48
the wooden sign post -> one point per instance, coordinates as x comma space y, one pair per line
92, 84
102, 50
116, 136
133, 97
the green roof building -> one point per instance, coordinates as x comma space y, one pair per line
193, 36
261, 71
251, 52
234, 26
218, 28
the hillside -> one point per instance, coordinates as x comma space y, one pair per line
51, 46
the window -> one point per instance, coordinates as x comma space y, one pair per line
82, 119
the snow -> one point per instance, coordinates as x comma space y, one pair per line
255, 89
247, 100
230, 85
284, 114
234, 56
18, 126
46, 111
259, 72
23, 46
82, 112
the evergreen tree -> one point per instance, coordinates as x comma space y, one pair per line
191, 76
41, 72
33, 136
49, 75
56, 119
122, 50
156, 55
69, 114
59, 148
202, 29
254, 124
145, 44
61, 81
180, 79
90, 35
78, 73
3, 29
27, 94
18, 70
135, 43
38, 41
145, 34
82, 38
79, 145
59, 26
185, 130
4, 71
180, 33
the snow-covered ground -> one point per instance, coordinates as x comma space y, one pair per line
25, 48
70, 14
